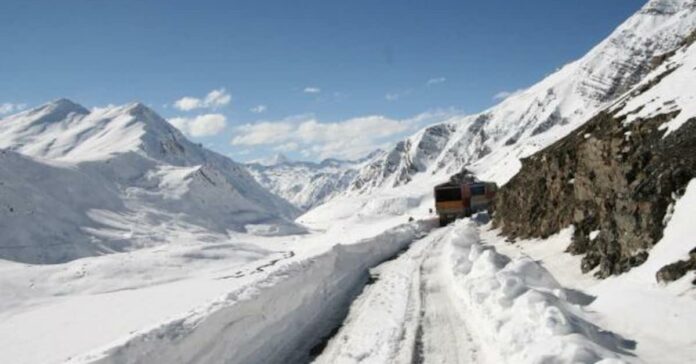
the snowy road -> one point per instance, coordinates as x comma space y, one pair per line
451, 298
408, 314
443, 335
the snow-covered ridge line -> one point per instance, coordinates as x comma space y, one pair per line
543, 113
277, 319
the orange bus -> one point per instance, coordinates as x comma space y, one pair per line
455, 200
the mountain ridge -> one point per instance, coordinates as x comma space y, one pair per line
158, 176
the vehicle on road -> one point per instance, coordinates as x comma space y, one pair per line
462, 198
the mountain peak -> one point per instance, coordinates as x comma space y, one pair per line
274, 160
137, 107
49, 113
665, 7
62, 107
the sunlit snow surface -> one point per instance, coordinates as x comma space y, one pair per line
80, 183
165, 251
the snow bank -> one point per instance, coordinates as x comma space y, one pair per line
394, 205
519, 310
279, 318
274, 229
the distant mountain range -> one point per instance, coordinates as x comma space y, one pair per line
307, 184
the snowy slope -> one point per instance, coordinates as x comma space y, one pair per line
307, 184
532, 119
125, 169
668, 89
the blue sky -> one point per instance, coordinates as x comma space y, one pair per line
313, 79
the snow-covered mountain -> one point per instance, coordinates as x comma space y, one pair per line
79, 182
278, 158
307, 184
534, 118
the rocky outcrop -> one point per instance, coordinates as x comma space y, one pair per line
613, 181
674, 271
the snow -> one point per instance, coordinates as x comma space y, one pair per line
453, 298
163, 251
303, 295
594, 234
274, 160
659, 318
382, 325
492, 142
528, 301
674, 93
637, 305
306, 184
116, 179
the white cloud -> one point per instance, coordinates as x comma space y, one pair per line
217, 98
287, 147
502, 95
265, 132
312, 90
435, 81
398, 95
187, 103
8, 107
258, 109
351, 138
213, 100
201, 125
392, 96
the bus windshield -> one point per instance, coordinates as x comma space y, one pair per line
448, 194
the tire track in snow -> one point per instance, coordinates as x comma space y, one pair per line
443, 335
407, 315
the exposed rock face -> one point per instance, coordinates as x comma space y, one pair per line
674, 271
608, 177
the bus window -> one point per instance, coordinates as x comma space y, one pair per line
477, 190
448, 194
